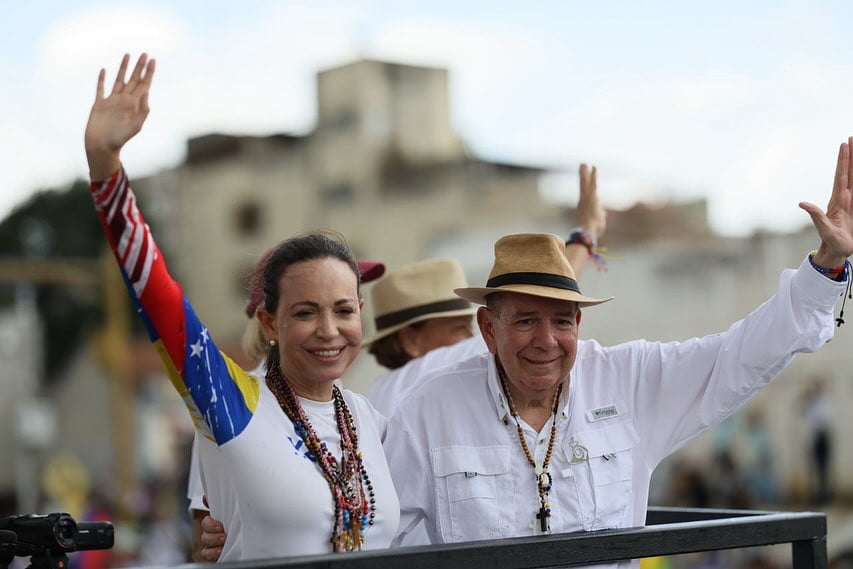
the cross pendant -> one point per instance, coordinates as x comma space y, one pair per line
543, 516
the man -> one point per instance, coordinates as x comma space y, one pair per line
547, 433
416, 313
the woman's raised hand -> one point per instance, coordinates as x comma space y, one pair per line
116, 118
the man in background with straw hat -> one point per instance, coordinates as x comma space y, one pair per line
547, 433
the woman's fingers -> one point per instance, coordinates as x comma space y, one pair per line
119, 82
849, 162
136, 76
144, 82
99, 90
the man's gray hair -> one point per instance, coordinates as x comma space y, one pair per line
496, 302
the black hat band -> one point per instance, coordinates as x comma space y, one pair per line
538, 279
400, 316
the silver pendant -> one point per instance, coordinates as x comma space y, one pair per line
545, 481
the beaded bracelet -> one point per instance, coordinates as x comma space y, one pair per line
581, 236
833, 273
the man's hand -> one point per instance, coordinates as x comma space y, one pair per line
835, 227
115, 119
591, 214
212, 539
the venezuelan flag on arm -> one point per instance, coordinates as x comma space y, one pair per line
220, 396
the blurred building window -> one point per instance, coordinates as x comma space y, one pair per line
342, 120
248, 219
338, 194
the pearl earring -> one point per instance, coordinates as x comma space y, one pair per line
272, 342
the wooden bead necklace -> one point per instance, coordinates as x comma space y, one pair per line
352, 491
543, 477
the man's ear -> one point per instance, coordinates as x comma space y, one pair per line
578, 317
268, 324
487, 328
408, 339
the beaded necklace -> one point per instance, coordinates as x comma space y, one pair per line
543, 477
347, 480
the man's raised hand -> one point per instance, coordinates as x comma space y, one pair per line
835, 226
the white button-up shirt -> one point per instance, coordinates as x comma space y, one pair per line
457, 463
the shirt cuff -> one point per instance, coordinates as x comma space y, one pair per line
817, 287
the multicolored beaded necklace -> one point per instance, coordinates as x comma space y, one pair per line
355, 510
543, 477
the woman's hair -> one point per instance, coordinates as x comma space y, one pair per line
255, 343
389, 352
306, 247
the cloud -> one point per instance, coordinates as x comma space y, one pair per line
97, 36
749, 126
52, 94
753, 145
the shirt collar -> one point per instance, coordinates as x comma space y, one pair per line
499, 399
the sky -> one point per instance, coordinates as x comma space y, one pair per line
741, 103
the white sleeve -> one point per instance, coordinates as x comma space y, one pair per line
682, 389
411, 472
195, 486
379, 419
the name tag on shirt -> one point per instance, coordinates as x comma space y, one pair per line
607, 412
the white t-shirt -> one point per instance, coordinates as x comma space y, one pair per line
283, 498
458, 465
195, 488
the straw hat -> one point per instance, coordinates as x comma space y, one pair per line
416, 292
534, 264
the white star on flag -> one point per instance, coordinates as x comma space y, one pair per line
205, 335
196, 349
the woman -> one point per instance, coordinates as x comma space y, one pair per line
255, 346
322, 484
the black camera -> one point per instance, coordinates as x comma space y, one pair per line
47, 539
8, 544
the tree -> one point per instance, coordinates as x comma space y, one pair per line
56, 224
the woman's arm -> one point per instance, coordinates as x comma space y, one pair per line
221, 397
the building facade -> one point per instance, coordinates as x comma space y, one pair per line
383, 166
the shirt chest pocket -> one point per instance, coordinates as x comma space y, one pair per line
470, 482
603, 468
